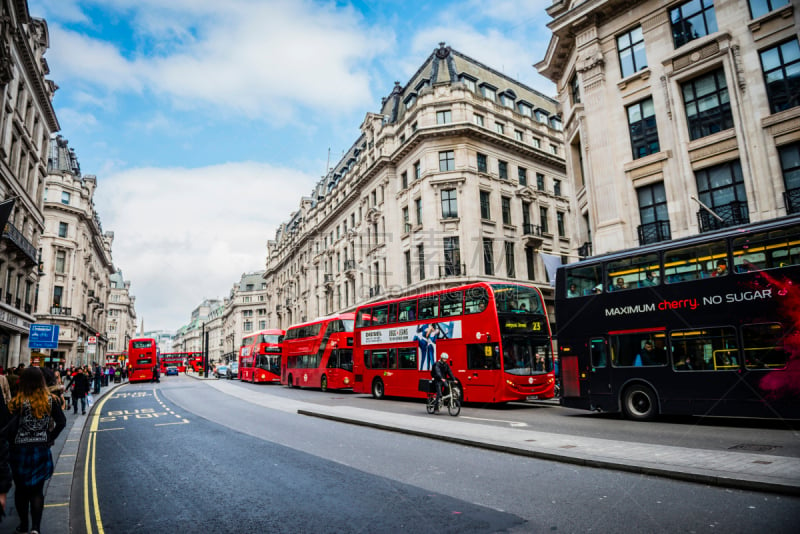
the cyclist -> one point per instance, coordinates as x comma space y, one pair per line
441, 371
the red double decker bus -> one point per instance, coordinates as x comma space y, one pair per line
177, 359
260, 356
195, 361
497, 336
142, 359
319, 353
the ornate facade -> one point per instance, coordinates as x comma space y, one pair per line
76, 261
680, 117
121, 314
26, 121
459, 177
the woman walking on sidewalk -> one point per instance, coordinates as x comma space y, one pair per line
30, 457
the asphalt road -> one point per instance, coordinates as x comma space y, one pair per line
184, 457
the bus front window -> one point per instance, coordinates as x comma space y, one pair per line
526, 356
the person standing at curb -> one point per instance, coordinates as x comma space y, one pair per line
80, 387
30, 457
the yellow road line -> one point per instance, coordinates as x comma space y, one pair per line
56, 505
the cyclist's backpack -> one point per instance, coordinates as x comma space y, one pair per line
435, 370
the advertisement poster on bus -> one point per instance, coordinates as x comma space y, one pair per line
426, 335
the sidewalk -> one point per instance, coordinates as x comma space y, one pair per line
57, 490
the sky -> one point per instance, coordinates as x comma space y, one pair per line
205, 122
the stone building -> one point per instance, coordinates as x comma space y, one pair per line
121, 314
27, 119
205, 320
76, 261
245, 312
460, 176
679, 117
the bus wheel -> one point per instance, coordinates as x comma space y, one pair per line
639, 403
323, 383
377, 388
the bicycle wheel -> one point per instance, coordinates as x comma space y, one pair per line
431, 404
454, 406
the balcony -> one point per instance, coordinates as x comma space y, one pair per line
791, 198
278, 308
57, 310
374, 291
328, 280
585, 250
532, 234
452, 269
350, 268
22, 245
732, 214
654, 232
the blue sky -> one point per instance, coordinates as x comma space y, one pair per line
206, 121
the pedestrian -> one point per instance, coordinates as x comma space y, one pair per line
29, 454
5, 388
98, 378
5, 467
80, 387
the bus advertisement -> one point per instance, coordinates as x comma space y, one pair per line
319, 353
497, 336
706, 325
260, 356
142, 359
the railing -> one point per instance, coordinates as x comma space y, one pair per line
531, 229
349, 265
11, 233
57, 310
585, 250
791, 198
8, 298
732, 214
654, 232
374, 291
278, 308
452, 269
328, 279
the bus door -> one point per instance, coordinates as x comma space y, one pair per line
599, 372
481, 380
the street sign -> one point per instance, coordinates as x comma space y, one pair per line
43, 336
92, 340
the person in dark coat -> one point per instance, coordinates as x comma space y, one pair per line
80, 387
5, 467
29, 453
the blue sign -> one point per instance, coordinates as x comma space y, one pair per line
43, 336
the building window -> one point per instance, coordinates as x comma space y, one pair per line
486, 212
478, 119
404, 180
248, 326
790, 165
452, 257
630, 47
488, 256
417, 170
524, 109
62, 229
65, 197
418, 209
575, 89
500, 128
447, 161
536, 143
406, 220
518, 135
543, 220
692, 20
653, 214
505, 205
61, 261
443, 117
643, 128
407, 255
502, 170
557, 188
421, 261
510, 272
507, 100
708, 108
529, 263
522, 175
781, 66
449, 204
721, 188
469, 82
58, 293
482, 167
562, 231
488, 92
540, 181
759, 8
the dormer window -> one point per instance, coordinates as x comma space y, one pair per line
422, 84
541, 115
524, 108
555, 123
507, 99
469, 81
410, 100
489, 92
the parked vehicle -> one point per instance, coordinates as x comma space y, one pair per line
233, 370
172, 370
221, 371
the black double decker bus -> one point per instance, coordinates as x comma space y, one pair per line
706, 325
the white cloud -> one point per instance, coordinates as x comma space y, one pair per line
181, 235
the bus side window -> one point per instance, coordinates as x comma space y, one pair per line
599, 354
363, 319
483, 356
407, 358
763, 346
452, 303
475, 300
693, 263
429, 307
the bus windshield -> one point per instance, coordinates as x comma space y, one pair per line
269, 338
517, 299
526, 356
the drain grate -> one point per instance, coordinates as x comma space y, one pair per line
753, 447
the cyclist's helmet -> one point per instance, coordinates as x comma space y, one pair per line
445, 356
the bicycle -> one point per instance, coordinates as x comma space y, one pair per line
451, 397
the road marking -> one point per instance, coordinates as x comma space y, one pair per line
56, 505
107, 429
512, 423
185, 422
